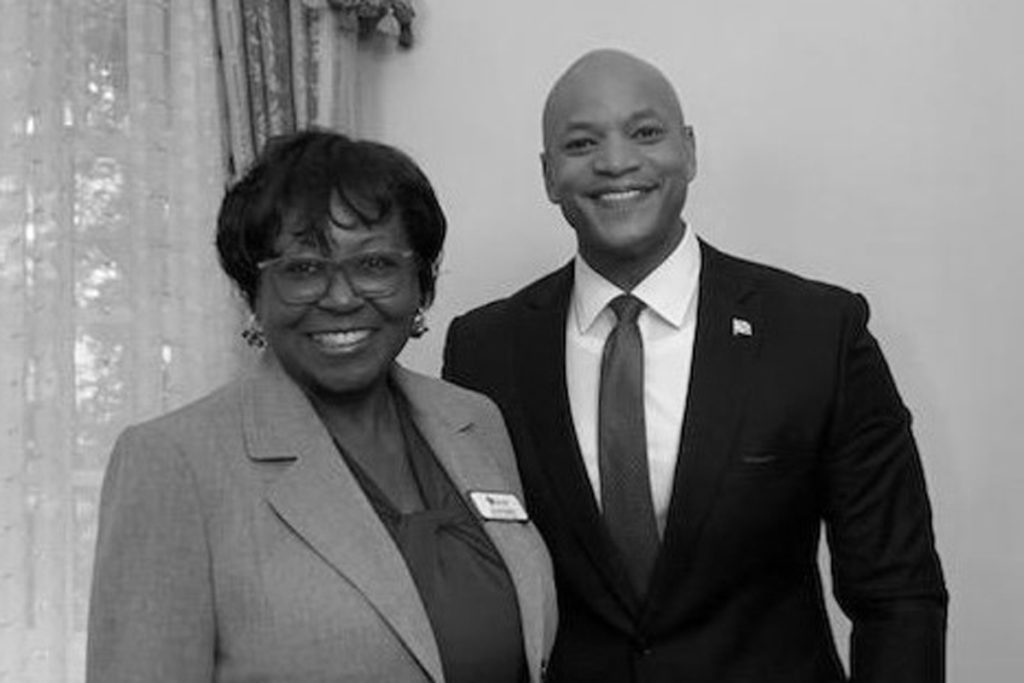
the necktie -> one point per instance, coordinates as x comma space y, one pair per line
622, 445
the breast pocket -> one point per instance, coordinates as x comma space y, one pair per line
766, 505
773, 463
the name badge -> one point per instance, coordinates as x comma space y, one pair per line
498, 507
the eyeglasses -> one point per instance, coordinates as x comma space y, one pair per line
370, 274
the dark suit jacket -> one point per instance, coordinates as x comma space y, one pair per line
792, 425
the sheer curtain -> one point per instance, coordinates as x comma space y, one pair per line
122, 122
112, 304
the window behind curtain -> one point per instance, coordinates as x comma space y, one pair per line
112, 306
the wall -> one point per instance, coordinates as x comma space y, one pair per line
878, 144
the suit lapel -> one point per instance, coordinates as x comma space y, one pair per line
447, 423
543, 393
726, 343
321, 501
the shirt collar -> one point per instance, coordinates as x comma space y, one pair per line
667, 290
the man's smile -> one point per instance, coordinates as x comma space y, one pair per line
620, 197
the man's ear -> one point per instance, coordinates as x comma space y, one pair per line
690, 142
549, 185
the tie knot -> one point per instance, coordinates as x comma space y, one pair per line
626, 307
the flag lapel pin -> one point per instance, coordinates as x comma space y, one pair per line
742, 328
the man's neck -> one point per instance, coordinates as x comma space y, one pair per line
625, 272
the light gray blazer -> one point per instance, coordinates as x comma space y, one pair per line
235, 545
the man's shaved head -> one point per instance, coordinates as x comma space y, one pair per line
617, 160
600, 66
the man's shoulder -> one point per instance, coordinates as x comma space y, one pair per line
547, 290
776, 282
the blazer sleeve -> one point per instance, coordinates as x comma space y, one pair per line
886, 572
151, 609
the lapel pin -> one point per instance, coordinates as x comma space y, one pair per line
742, 328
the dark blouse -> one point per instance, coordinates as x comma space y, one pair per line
462, 580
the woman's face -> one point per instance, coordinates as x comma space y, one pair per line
340, 344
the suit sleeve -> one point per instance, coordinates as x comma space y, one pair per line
459, 356
886, 572
451, 354
151, 614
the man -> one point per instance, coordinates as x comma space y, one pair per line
685, 528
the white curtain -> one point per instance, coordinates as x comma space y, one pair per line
112, 306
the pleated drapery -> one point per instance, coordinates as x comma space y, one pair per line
284, 66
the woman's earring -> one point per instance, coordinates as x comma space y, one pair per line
419, 324
253, 334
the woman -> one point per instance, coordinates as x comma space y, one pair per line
331, 516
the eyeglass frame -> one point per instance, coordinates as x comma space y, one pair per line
334, 266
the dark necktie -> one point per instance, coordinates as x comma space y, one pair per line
622, 445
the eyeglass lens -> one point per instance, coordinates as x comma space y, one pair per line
303, 279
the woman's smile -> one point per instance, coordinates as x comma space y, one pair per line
341, 341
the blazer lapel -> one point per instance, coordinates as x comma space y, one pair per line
447, 423
543, 393
322, 502
726, 343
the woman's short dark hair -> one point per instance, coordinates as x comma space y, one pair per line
296, 176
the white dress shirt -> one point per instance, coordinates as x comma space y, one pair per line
667, 324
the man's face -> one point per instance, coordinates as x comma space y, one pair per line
618, 159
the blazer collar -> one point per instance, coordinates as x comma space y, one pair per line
320, 499
445, 418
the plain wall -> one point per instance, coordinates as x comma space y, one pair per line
877, 144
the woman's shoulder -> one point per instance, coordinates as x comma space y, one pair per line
211, 417
433, 393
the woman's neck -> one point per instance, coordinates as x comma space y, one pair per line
369, 432
359, 418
